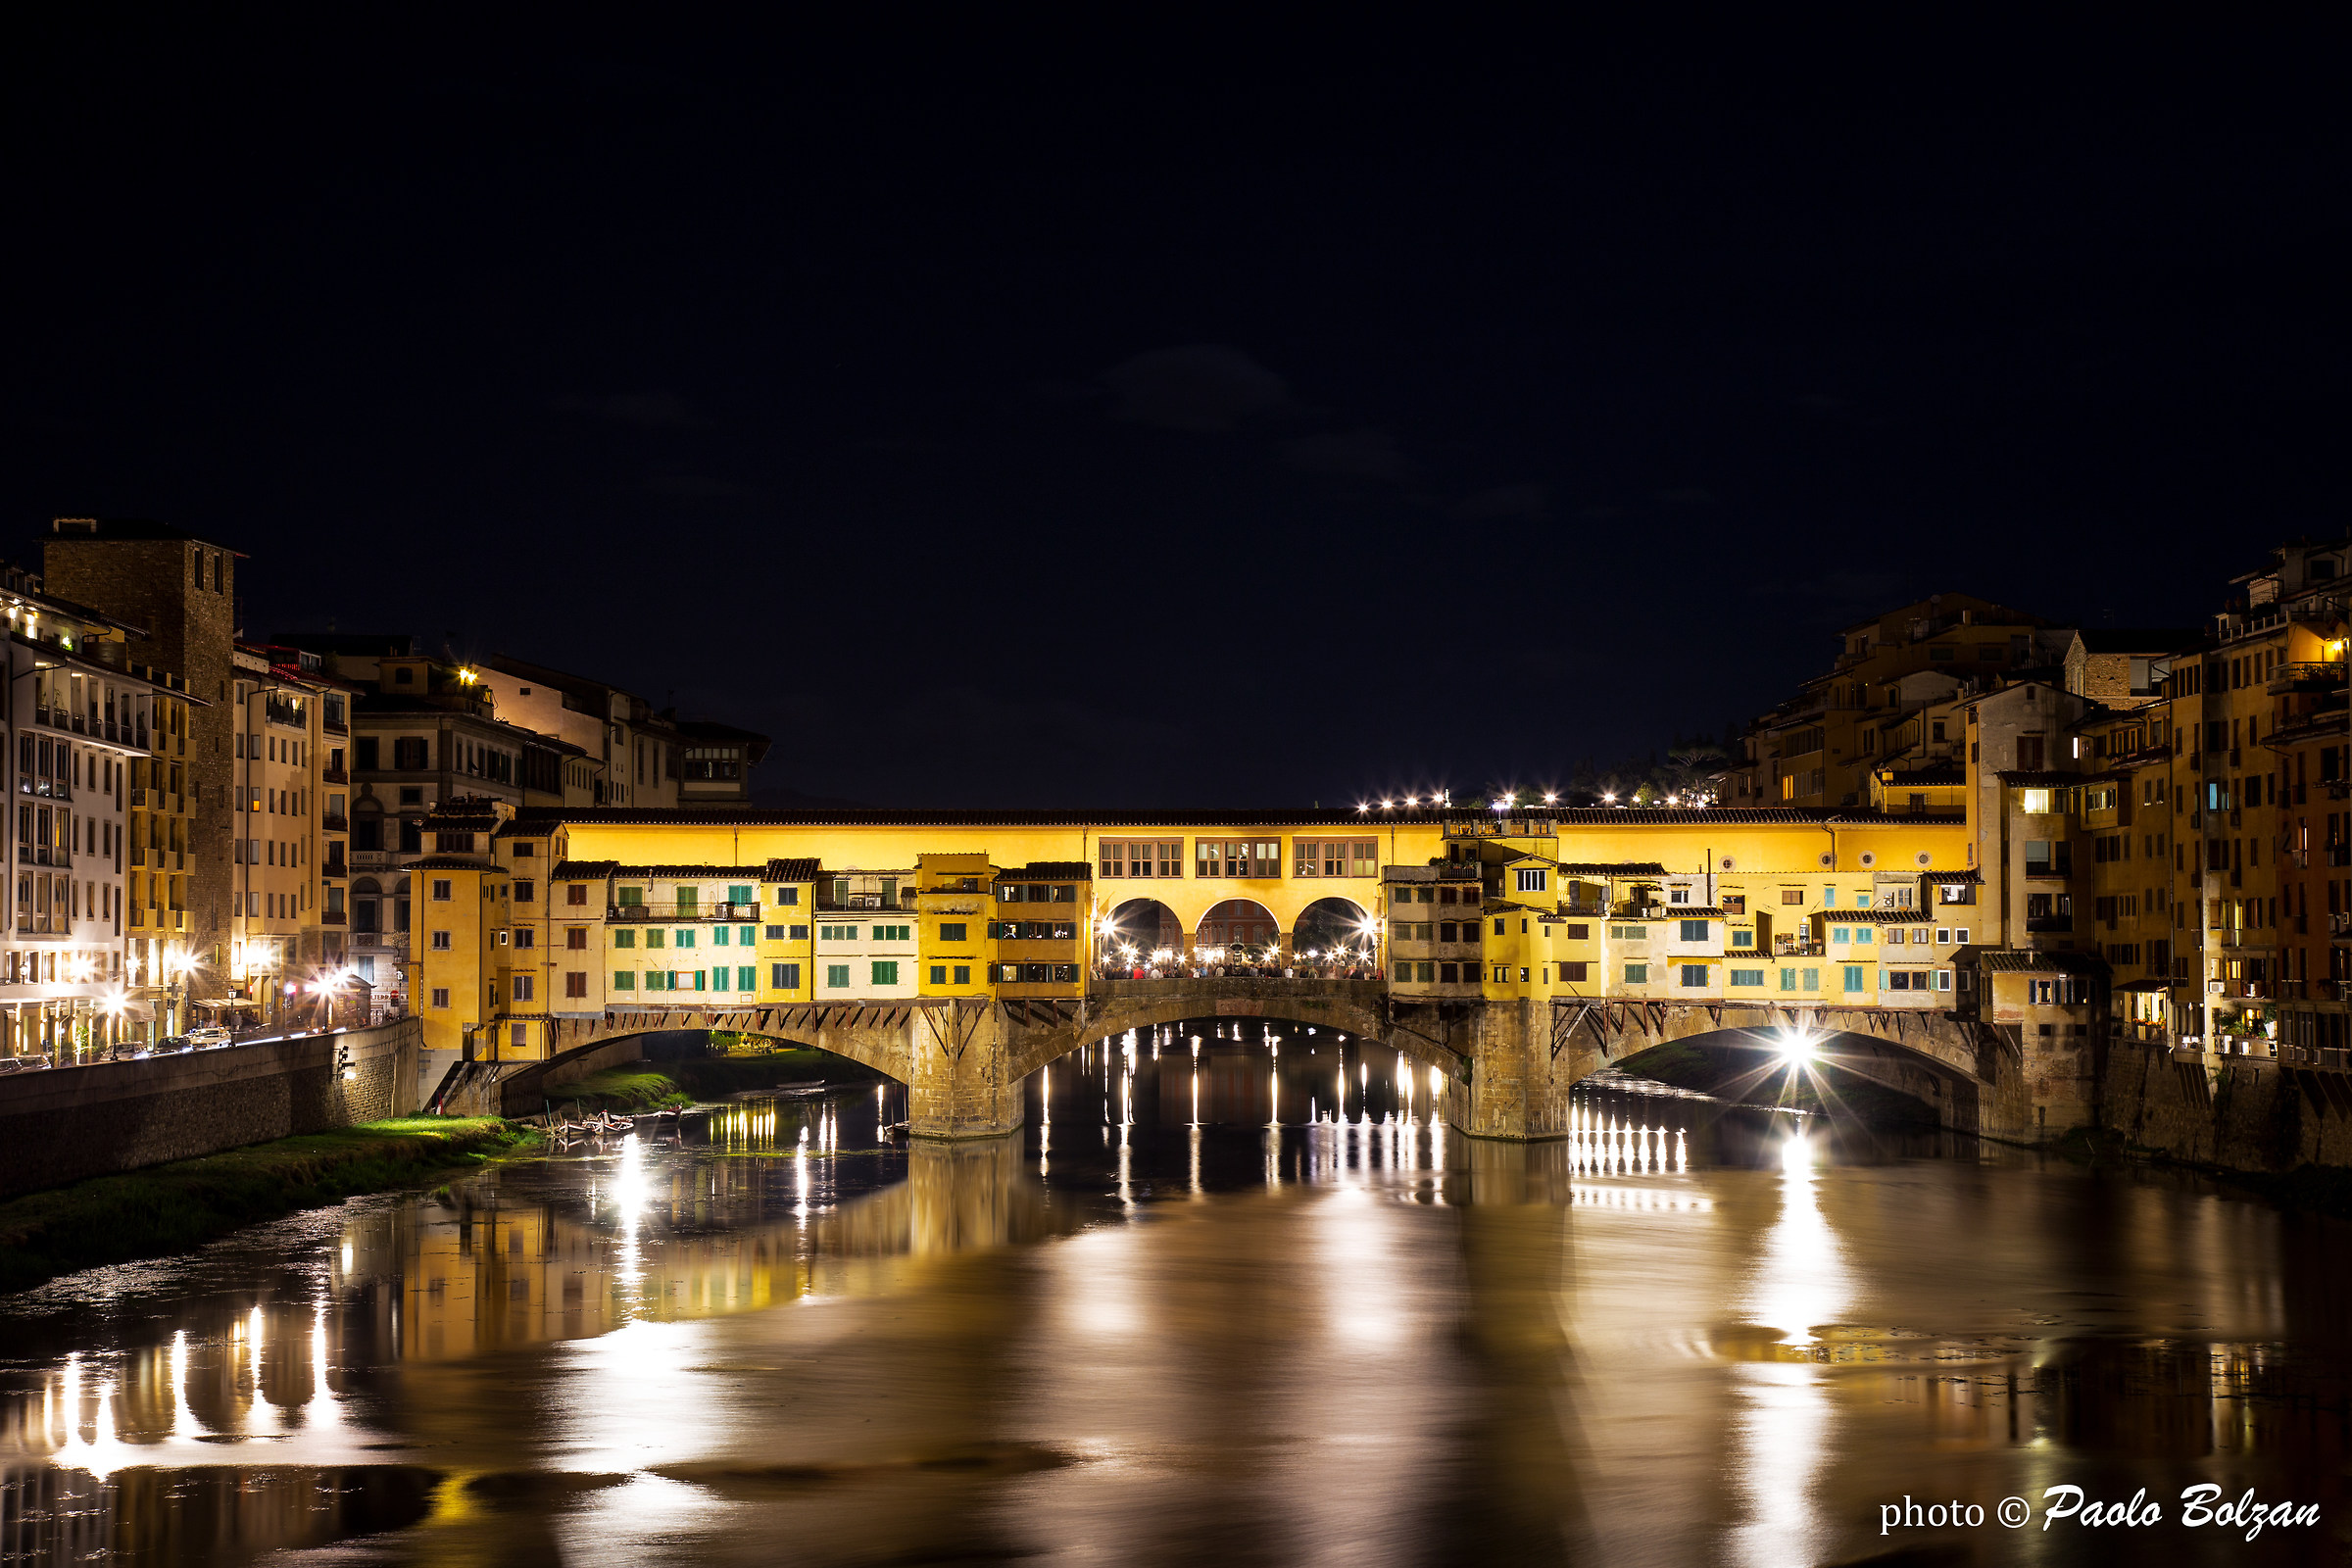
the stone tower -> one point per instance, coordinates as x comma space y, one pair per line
182, 590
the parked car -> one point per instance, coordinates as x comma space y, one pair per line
171, 1043
210, 1035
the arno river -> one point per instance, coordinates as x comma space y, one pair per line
1239, 1305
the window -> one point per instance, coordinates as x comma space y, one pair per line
620, 938
525, 937
441, 942
1498, 925
1695, 974
718, 935
1788, 979
1629, 933
575, 983
1794, 896
963, 974
1746, 977
1743, 939
575, 938
440, 995
1321, 858
1531, 879
1133, 858
1943, 979
776, 933
886, 972
894, 933
1637, 974
788, 895
524, 985
939, 974
836, 933
1405, 973
1828, 897
837, 977
655, 939
747, 977
800, 933
1574, 972
1853, 977
575, 893
1694, 930
784, 976
1959, 935
685, 938
740, 893
441, 890
1678, 895
1257, 859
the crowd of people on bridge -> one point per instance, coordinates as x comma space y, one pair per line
1269, 963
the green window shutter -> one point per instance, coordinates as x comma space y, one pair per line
743, 934
624, 980
963, 974
740, 894
837, 977
1853, 977
718, 935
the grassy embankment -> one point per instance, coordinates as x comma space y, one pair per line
171, 1208
650, 1086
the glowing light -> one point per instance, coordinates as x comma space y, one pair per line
1550, 799
1796, 1047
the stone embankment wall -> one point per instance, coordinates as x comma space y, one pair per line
2252, 1115
69, 1123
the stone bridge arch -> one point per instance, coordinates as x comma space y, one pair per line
1357, 1008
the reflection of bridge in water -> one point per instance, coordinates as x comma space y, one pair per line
1508, 1066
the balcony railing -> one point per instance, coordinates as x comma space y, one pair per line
333, 866
330, 918
681, 912
2049, 922
334, 823
334, 776
2307, 675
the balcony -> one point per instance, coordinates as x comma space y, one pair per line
334, 776
672, 913
334, 823
334, 867
1788, 947
330, 918
2312, 675
2050, 924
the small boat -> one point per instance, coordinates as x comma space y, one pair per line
894, 1132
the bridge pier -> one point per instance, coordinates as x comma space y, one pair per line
962, 1081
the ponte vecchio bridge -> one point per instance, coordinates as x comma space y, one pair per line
1513, 952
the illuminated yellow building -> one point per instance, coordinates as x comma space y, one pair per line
708, 912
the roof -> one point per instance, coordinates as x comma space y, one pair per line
1971, 877
1209, 816
1047, 872
449, 863
1689, 911
2007, 962
582, 870
1612, 867
1435, 871
1877, 916
126, 528
803, 870
521, 830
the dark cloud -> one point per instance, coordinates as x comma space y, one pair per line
1207, 387
651, 410
1350, 454
1504, 501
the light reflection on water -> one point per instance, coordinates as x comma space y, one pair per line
1217, 1264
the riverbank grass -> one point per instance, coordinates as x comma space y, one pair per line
171, 1208
654, 1086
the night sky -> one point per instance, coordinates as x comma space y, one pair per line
1005, 418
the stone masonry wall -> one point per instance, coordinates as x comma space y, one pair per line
2252, 1115
69, 1123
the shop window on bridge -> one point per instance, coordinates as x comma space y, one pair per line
1142, 858
1253, 859
1036, 893
1906, 979
1320, 858
2065, 990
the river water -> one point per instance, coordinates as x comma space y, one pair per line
1229, 1299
